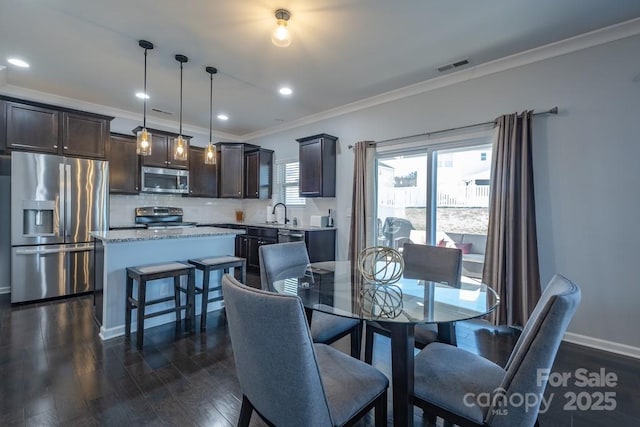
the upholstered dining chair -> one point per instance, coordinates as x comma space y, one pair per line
286, 378
286, 260
433, 264
450, 382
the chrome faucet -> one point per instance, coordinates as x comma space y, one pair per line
285, 211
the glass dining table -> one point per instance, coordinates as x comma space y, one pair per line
337, 288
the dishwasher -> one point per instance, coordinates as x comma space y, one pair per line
290, 236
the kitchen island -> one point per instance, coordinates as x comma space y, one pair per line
115, 250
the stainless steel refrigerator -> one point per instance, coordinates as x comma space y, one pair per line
55, 202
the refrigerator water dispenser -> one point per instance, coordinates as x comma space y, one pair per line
38, 218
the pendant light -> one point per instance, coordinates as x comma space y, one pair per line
143, 140
210, 151
180, 145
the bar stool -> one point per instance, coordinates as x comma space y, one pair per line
209, 264
145, 273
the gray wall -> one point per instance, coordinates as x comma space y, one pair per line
585, 160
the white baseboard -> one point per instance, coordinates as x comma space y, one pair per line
107, 334
118, 331
5, 289
604, 345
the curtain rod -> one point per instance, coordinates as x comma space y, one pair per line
553, 110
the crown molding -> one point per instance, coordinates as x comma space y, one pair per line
563, 47
76, 104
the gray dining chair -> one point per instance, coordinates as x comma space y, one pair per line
286, 378
287, 260
429, 263
449, 382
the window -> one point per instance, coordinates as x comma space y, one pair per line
287, 179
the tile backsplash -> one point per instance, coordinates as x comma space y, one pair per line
204, 210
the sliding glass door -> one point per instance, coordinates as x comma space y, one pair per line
401, 199
437, 195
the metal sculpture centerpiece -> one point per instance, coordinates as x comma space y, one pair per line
380, 268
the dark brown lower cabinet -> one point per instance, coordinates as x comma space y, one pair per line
321, 245
241, 246
256, 237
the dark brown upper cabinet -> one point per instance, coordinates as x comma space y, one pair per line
258, 166
124, 165
317, 157
231, 168
44, 128
84, 135
33, 128
203, 179
162, 147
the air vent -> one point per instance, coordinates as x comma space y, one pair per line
453, 65
163, 112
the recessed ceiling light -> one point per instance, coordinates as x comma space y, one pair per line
286, 91
142, 95
18, 62
223, 117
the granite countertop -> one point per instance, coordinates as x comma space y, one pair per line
118, 236
270, 225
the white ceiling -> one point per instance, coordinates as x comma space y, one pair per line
342, 50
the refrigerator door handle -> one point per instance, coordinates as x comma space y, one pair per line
61, 202
79, 248
67, 190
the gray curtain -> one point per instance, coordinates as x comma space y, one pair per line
511, 260
362, 202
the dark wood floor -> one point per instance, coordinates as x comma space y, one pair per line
55, 370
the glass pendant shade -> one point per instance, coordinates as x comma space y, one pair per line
210, 154
180, 151
143, 142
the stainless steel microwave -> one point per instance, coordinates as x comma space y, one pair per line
161, 180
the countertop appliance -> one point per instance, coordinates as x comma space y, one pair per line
55, 202
318, 221
285, 236
162, 180
160, 217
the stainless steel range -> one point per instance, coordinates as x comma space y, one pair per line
160, 217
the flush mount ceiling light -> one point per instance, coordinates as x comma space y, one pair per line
223, 117
180, 145
18, 62
280, 36
142, 95
143, 140
286, 91
210, 151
